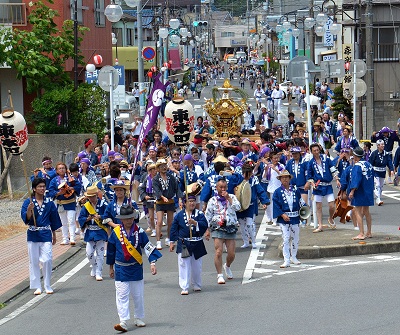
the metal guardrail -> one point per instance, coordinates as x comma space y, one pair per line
13, 14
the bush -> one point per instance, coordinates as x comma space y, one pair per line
65, 111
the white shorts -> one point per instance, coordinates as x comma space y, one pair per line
329, 197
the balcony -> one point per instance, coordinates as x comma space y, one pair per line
386, 52
13, 14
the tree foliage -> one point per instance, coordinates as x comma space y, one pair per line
341, 104
236, 8
40, 54
65, 111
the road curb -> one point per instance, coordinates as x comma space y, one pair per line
23, 286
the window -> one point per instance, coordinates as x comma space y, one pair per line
130, 33
79, 10
386, 44
227, 34
99, 17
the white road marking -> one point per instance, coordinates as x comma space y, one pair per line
392, 194
37, 298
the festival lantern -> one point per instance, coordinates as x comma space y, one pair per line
179, 120
97, 59
13, 131
268, 59
150, 74
347, 66
153, 69
90, 68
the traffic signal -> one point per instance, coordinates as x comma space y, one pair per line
201, 24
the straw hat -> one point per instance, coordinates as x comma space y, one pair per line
284, 173
161, 161
121, 184
91, 191
220, 158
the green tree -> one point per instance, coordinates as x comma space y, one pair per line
40, 54
341, 104
65, 111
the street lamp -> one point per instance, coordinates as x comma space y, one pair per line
113, 12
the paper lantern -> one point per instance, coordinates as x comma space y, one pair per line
153, 69
179, 120
13, 131
150, 74
90, 68
97, 59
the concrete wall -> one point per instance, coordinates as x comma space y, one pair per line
52, 145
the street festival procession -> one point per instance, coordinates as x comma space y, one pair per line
197, 187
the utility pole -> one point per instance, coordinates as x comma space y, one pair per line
311, 35
139, 18
369, 78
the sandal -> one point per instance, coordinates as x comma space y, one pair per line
332, 224
368, 236
318, 230
358, 237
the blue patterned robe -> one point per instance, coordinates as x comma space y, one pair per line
281, 205
47, 220
115, 254
325, 176
362, 180
257, 192
91, 234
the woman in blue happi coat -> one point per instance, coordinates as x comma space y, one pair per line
120, 188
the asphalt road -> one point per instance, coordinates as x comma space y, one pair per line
350, 295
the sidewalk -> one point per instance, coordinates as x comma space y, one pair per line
14, 266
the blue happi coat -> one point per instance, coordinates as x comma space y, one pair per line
47, 220
299, 177
111, 210
362, 180
379, 162
180, 227
130, 270
281, 205
93, 231
209, 189
324, 175
257, 192
53, 190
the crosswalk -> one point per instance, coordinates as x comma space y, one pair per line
392, 194
259, 267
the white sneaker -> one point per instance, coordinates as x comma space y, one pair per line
158, 245
77, 231
99, 278
295, 261
245, 245
121, 327
64, 242
167, 242
274, 223
284, 265
153, 234
49, 290
228, 272
356, 228
139, 323
221, 279
38, 292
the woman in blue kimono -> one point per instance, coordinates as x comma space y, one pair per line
41, 216
287, 202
